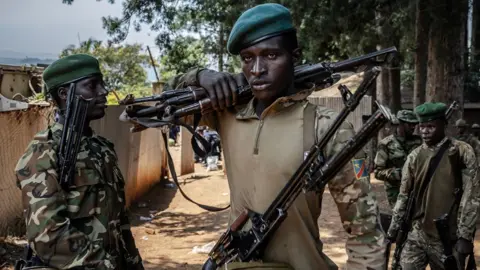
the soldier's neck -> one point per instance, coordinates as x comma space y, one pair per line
87, 130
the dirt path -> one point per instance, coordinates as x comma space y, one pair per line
177, 226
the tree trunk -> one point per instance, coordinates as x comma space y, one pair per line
476, 29
446, 56
221, 46
394, 80
422, 26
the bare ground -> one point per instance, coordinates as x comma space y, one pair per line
177, 226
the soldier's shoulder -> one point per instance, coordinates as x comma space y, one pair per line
414, 154
327, 116
41, 147
387, 140
461, 145
105, 142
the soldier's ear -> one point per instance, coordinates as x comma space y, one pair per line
296, 55
62, 93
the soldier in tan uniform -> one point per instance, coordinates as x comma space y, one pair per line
392, 152
265, 141
452, 187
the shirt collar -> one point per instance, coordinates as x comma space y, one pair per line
437, 145
248, 112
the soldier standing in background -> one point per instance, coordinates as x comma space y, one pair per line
86, 226
392, 153
464, 134
476, 130
440, 177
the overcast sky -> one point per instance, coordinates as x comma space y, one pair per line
48, 26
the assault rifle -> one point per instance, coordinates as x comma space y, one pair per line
75, 117
313, 174
406, 222
174, 104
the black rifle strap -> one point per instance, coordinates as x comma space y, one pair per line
171, 165
155, 123
196, 148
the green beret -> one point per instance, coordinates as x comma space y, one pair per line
70, 69
460, 123
259, 23
430, 111
407, 116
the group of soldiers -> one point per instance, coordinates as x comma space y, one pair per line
85, 225
403, 161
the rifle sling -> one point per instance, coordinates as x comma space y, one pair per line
198, 150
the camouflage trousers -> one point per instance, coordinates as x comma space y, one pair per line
421, 250
392, 193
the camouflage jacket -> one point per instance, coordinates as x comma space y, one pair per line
391, 156
86, 226
473, 141
263, 152
470, 200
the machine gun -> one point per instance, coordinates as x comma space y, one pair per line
174, 104
313, 174
406, 222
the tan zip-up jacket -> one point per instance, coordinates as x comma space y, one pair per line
262, 153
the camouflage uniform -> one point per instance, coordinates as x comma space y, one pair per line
257, 170
392, 152
423, 245
86, 226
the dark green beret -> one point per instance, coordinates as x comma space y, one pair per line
70, 69
407, 116
259, 23
430, 111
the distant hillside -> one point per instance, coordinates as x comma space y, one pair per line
9, 57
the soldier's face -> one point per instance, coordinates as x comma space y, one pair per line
408, 128
461, 130
93, 88
432, 132
269, 67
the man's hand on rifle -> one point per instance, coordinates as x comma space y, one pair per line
221, 87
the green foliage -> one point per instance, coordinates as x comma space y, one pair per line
407, 78
135, 90
327, 29
121, 65
184, 54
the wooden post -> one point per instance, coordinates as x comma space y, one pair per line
187, 164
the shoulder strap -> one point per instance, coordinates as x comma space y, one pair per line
432, 166
171, 166
310, 122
